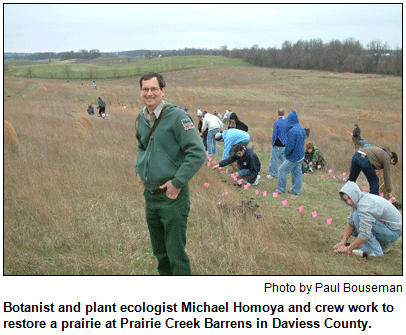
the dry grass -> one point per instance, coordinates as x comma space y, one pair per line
72, 204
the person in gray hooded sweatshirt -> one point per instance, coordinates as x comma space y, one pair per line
373, 220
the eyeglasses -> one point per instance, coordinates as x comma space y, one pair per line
152, 89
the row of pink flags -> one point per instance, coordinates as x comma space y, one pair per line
275, 194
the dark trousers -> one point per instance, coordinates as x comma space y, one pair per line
102, 110
360, 163
167, 221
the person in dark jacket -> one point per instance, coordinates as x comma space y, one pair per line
294, 154
101, 107
359, 142
248, 164
236, 123
90, 110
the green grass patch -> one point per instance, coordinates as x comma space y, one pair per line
69, 70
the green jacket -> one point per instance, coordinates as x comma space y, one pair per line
175, 151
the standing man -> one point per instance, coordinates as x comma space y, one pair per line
101, 107
373, 220
278, 144
294, 154
166, 161
369, 159
212, 124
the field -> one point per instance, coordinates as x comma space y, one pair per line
72, 205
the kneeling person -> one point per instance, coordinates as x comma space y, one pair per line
248, 164
373, 220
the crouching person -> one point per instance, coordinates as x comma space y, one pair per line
373, 220
248, 164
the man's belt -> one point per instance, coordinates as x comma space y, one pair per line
158, 190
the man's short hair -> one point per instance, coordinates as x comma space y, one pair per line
281, 112
150, 75
309, 145
238, 147
395, 157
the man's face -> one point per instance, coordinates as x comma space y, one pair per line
240, 153
152, 94
348, 200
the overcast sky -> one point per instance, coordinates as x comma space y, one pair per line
70, 27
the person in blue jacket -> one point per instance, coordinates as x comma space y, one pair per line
294, 154
230, 138
278, 144
248, 164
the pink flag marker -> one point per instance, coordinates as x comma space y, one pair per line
390, 200
364, 188
246, 187
319, 166
206, 185
301, 209
322, 176
264, 193
330, 171
311, 163
256, 192
314, 214
344, 179
214, 161
225, 193
381, 195
334, 177
329, 220
275, 194
226, 170
208, 164
285, 202
344, 174
240, 182
233, 175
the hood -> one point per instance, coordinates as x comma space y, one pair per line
234, 116
353, 191
292, 119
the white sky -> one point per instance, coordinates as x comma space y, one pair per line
70, 27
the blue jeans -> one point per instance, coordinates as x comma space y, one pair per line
380, 238
243, 172
295, 168
277, 153
358, 164
211, 141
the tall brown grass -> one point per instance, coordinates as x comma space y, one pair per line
10, 136
72, 204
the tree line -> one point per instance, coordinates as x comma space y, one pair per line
334, 56
81, 54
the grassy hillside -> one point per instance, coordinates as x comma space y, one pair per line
72, 204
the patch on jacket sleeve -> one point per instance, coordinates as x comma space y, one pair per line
187, 124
